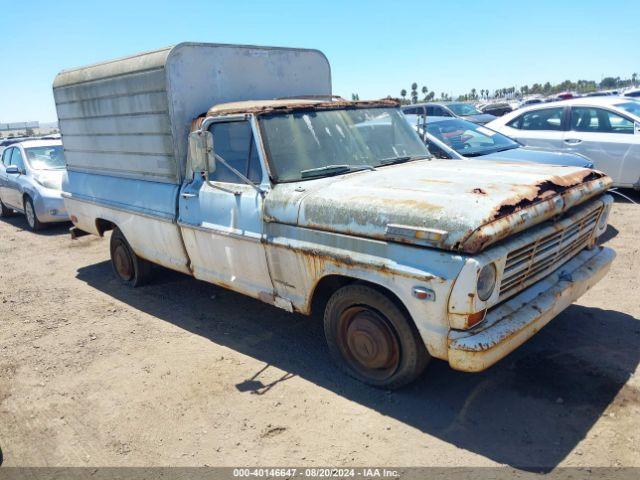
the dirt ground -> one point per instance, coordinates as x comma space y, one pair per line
181, 372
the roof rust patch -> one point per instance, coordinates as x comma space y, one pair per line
264, 107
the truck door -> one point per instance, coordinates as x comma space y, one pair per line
222, 222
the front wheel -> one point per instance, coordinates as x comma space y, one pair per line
30, 214
4, 210
372, 339
128, 267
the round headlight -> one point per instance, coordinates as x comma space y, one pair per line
486, 281
602, 222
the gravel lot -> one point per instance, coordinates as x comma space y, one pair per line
181, 372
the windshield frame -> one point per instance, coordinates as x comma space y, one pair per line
357, 168
28, 159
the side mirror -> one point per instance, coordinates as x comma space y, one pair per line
201, 151
12, 170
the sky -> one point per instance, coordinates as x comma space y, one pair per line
375, 48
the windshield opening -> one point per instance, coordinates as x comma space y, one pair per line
463, 109
469, 139
45, 158
307, 144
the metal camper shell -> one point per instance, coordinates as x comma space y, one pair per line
130, 117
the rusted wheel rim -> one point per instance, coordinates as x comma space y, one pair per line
368, 342
30, 214
122, 262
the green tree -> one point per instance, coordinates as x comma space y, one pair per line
403, 94
414, 92
609, 82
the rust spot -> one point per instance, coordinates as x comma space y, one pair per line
479, 191
546, 190
296, 105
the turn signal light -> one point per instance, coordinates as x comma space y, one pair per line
476, 318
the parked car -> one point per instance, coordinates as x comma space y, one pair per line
30, 182
450, 109
604, 129
324, 205
454, 138
4, 143
530, 101
496, 109
633, 93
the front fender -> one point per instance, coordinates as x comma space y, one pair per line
300, 258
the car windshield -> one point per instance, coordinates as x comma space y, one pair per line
469, 139
631, 107
463, 109
45, 158
310, 144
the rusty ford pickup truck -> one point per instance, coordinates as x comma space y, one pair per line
317, 204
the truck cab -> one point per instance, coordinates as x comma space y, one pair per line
315, 204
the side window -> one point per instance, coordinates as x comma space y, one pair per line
410, 111
432, 111
17, 160
443, 112
6, 156
586, 119
543, 119
234, 142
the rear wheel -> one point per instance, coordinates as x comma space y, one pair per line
372, 339
128, 267
30, 214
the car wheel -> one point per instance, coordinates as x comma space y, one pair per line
128, 267
372, 339
5, 211
30, 214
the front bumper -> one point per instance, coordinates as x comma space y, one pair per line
510, 324
50, 207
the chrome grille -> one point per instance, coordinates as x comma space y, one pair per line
531, 262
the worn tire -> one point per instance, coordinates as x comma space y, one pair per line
128, 267
31, 216
372, 339
5, 211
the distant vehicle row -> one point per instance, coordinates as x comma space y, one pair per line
604, 129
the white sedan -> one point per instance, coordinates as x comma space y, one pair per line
604, 129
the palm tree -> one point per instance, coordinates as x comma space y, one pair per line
414, 92
634, 78
425, 91
403, 94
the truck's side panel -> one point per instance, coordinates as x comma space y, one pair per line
299, 258
144, 211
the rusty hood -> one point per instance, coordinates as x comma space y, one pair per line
461, 205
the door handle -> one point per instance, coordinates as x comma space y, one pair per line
572, 141
188, 195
